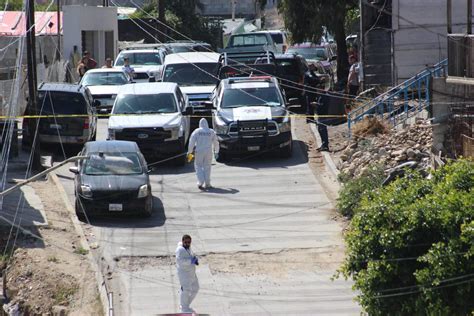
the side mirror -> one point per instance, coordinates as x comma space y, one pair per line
188, 111
151, 79
333, 58
96, 103
74, 170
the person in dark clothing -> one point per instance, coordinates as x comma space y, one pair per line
322, 109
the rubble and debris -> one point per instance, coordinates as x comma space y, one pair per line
388, 149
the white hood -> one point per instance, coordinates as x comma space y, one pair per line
165, 120
198, 89
96, 90
142, 68
250, 113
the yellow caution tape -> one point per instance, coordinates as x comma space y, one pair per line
4, 117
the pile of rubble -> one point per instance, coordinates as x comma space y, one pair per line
389, 150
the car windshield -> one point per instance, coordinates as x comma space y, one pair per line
104, 79
317, 53
145, 103
249, 40
113, 163
56, 102
144, 59
192, 75
268, 96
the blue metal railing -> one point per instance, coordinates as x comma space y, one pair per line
406, 98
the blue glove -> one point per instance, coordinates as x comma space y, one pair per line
194, 260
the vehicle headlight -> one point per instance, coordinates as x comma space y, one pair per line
285, 125
220, 127
143, 191
175, 132
86, 191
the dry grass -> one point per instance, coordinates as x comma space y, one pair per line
370, 126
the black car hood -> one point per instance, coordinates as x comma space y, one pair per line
276, 113
115, 183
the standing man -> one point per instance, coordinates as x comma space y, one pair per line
322, 110
353, 79
127, 68
202, 142
186, 263
91, 63
108, 63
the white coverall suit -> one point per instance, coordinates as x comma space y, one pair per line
187, 277
202, 140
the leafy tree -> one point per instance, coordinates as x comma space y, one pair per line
305, 20
411, 245
181, 15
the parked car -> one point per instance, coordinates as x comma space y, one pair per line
64, 99
147, 63
325, 54
250, 116
155, 116
280, 39
104, 85
250, 42
113, 179
196, 74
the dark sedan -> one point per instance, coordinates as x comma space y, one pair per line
114, 179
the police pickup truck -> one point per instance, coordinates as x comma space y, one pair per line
250, 115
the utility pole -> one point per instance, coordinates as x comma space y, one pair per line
32, 80
233, 4
58, 22
162, 19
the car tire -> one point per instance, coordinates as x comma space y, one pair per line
80, 213
148, 208
287, 151
223, 156
180, 160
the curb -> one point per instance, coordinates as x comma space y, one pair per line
327, 157
84, 244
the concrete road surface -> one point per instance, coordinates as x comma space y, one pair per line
265, 235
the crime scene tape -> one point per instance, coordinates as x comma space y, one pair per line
4, 117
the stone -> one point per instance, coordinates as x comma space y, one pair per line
411, 153
58, 310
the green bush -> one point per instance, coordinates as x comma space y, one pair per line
354, 189
410, 245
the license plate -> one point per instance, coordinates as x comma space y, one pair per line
115, 207
55, 126
253, 148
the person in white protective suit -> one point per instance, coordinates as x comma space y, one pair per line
202, 142
186, 263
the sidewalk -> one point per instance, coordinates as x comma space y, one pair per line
23, 206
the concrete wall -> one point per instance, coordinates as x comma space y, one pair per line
420, 30
446, 95
224, 8
88, 18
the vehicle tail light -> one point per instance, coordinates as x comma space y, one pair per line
86, 123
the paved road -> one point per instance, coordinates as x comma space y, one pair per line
256, 233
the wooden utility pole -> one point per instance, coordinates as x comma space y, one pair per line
32, 80
58, 22
162, 19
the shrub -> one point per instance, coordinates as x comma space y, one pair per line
354, 189
410, 245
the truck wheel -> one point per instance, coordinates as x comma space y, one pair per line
79, 211
287, 151
180, 160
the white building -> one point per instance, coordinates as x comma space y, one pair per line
90, 28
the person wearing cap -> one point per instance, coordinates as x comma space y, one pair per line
127, 68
